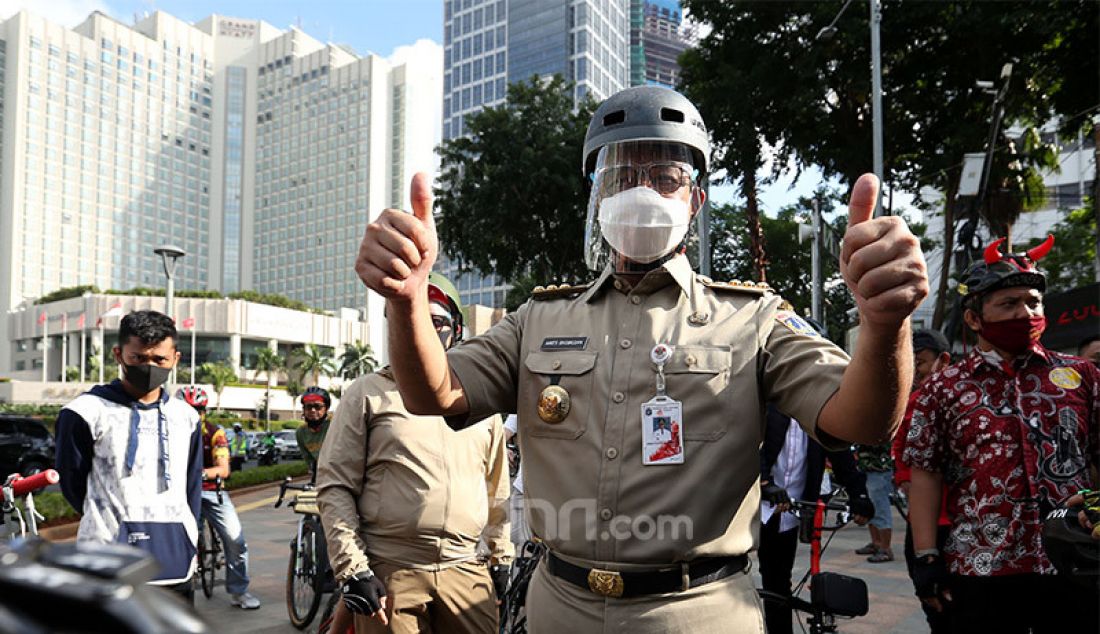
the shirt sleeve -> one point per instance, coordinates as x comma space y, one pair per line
487, 366
73, 456
341, 470
924, 441
497, 532
800, 370
219, 445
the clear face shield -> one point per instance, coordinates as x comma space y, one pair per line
643, 198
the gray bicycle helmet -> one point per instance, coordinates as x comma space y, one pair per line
647, 113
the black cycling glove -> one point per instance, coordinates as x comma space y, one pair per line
861, 506
929, 576
773, 493
363, 593
501, 574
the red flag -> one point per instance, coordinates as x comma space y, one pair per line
80, 321
189, 323
42, 318
114, 311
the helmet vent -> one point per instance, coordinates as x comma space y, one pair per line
668, 114
614, 118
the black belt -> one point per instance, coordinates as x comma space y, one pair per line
610, 583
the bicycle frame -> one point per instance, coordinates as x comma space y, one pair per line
831, 593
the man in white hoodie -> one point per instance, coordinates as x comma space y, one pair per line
130, 457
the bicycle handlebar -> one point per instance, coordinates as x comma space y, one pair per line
802, 505
22, 486
287, 484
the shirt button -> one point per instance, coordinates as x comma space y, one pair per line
690, 359
618, 285
625, 343
606, 514
612, 453
557, 364
635, 300
618, 397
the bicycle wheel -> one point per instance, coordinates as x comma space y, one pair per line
208, 557
303, 578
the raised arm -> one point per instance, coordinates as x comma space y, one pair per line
395, 258
882, 264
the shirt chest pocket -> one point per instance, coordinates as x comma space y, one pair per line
699, 377
573, 373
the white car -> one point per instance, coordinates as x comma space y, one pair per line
286, 443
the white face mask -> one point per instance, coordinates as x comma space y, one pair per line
643, 225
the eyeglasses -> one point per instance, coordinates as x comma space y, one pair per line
439, 322
665, 178
313, 406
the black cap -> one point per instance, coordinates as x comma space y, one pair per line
928, 339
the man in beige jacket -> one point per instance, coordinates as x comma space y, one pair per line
405, 501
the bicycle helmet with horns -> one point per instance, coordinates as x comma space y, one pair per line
998, 270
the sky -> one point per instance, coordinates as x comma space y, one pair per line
383, 27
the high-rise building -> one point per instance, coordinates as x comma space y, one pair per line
658, 34
259, 152
490, 43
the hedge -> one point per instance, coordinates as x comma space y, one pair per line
260, 475
53, 506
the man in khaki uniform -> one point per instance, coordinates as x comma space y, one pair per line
647, 535
405, 500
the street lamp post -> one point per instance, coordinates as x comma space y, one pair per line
169, 254
876, 99
876, 87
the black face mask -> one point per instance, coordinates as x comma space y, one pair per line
145, 378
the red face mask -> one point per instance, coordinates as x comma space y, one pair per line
1014, 335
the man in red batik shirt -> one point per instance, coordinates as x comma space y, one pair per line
1011, 430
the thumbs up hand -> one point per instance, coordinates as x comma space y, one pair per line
881, 261
399, 249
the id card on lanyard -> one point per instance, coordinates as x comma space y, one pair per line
662, 419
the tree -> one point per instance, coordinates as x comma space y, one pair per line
219, 375
313, 360
933, 113
357, 360
268, 361
1070, 263
768, 87
294, 389
511, 200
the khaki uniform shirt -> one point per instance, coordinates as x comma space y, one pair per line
408, 490
588, 493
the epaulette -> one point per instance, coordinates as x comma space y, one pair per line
747, 286
555, 291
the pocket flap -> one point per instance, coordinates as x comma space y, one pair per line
698, 360
572, 363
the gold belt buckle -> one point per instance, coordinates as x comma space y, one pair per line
606, 583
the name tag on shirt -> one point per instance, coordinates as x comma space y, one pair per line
551, 344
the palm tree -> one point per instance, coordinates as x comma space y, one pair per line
267, 362
357, 360
219, 375
294, 389
311, 360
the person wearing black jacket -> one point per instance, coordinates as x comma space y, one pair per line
790, 458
